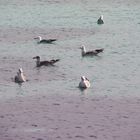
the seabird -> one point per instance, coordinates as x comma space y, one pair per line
90, 53
100, 20
84, 83
40, 40
20, 77
44, 63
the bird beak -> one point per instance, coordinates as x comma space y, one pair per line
34, 57
35, 38
80, 47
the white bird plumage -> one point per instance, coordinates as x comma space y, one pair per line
20, 77
84, 83
91, 52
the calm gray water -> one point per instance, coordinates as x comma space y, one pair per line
114, 73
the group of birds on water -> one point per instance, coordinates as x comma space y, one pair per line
84, 83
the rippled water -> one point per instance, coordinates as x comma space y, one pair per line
115, 72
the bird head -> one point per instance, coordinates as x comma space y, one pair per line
36, 57
20, 70
101, 17
83, 78
38, 37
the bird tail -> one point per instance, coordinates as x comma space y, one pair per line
53, 40
99, 50
54, 60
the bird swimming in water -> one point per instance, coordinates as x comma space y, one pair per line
44, 63
90, 53
100, 20
20, 77
84, 83
49, 41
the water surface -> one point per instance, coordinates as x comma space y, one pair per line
113, 73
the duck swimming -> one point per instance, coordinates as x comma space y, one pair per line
100, 20
49, 41
20, 77
45, 63
90, 53
84, 83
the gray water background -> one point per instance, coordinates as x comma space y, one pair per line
113, 73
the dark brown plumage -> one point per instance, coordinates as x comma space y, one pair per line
100, 20
45, 63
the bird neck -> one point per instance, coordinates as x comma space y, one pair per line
83, 50
101, 17
38, 62
40, 38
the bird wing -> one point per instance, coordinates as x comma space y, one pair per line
99, 50
52, 40
91, 53
47, 40
44, 63
54, 61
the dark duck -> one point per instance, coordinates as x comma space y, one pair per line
45, 63
100, 20
91, 52
40, 40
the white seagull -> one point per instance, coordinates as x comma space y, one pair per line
40, 40
20, 77
84, 83
90, 53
